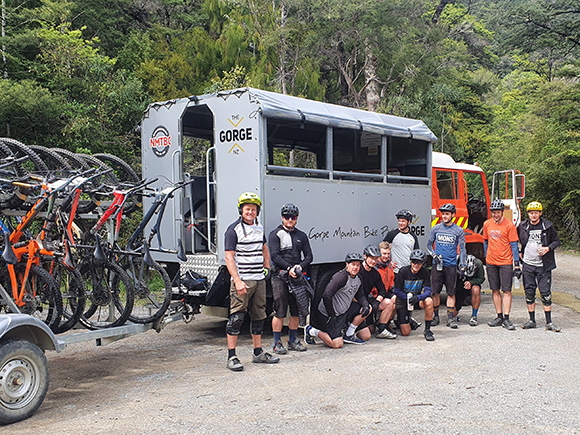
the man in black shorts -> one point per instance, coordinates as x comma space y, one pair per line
469, 283
538, 238
291, 254
343, 305
412, 288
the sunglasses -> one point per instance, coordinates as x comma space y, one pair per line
289, 217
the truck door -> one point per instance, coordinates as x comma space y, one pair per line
448, 188
510, 187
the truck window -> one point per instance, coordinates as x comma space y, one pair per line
356, 151
300, 145
407, 158
477, 206
447, 184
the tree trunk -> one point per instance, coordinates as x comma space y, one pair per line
439, 10
371, 82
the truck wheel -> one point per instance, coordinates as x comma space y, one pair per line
23, 380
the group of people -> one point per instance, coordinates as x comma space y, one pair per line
378, 289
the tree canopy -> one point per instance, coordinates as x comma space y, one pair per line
496, 80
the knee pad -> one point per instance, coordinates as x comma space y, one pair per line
530, 299
257, 327
546, 299
235, 324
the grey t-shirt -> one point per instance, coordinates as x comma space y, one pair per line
531, 255
343, 289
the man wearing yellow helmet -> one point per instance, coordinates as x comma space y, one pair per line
247, 258
538, 239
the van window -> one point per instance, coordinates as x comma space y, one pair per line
407, 158
356, 151
447, 184
295, 144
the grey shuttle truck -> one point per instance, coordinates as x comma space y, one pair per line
348, 170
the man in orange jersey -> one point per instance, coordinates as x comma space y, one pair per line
500, 242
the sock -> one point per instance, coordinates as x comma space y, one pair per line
436, 311
548, 316
506, 316
450, 313
313, 331
231, 352
258, 351
292, 335
532, 315
427, 325
351, 329
382, 327
277, 337
500, 315
474, 312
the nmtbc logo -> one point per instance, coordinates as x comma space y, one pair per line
160, 141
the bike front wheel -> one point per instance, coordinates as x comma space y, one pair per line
110, 295
152, 290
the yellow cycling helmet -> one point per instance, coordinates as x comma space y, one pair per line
249, 198
534, 206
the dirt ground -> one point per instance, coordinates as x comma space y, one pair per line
470, 380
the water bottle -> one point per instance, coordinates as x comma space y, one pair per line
409, 304
516, 282
439, 263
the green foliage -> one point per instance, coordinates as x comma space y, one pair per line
496, 80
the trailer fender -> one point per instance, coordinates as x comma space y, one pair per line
31, 329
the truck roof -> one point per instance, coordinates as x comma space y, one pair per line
445, 161
279, 106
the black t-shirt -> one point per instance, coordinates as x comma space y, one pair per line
372, 279
406, 281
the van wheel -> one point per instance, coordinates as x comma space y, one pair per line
24, 380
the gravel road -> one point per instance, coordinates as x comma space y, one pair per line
470, 381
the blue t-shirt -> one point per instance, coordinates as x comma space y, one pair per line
444, 240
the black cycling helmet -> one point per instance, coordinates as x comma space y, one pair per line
353, 256
404, 214
372, 251
289, 209
417, 255
496, 204
470, 266
448, 207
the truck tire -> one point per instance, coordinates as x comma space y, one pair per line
324, 277
24, 379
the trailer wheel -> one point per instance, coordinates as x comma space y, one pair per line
24, 380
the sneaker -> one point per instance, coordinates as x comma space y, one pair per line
353, 339
473, 321
507, 324
265, 358
435, 321
530, 324
451, 323
234, 364
385, 333
279, 348
309, 339
551, 327
414, 324
457, 318
495, 322
392, 327
429, 335
297, 346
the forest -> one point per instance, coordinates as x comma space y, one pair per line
498, 81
